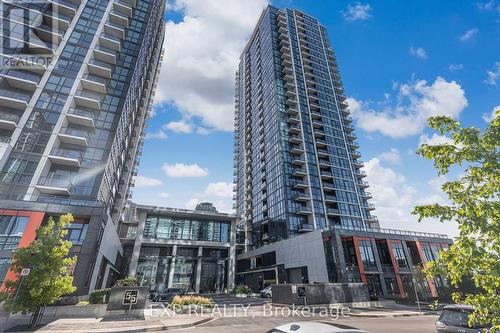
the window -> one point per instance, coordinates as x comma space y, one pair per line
202, 230
399, 254
11, 230
367, 256
76, 233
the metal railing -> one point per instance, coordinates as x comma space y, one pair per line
392, 231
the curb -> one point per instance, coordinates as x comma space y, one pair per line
367, 315
154, 328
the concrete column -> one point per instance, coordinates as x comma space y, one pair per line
339, 257
198, 269
172, 267
232, 257
379, 266
132, 271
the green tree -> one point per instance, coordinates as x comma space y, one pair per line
474, 205
48, 261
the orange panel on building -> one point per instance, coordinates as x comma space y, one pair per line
29, 234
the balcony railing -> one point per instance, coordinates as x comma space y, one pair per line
14, 94
67, 153
57, 180
74, 132
23, 75
392, 231
9, 117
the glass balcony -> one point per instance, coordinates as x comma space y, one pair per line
88, 99
94, 83
305, 227
333, 211
81, 117
105, 55
118, 18
100, 68
122, 8
18, 74
372, 219
55, 183
14, 98
8, 121
114, 29
64, 156
330, 198
299, 172
110, 41
64, 7
295, 139
73, 136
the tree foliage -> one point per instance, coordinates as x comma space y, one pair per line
48, 261
475, 206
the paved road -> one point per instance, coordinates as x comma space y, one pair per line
420, 324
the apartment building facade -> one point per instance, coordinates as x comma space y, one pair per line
178, 248
76, 87
300, 188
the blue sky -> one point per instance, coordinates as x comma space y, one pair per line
400, 62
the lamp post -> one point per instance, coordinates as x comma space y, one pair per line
416, 293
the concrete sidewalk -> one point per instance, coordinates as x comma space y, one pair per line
80, 325
388, 313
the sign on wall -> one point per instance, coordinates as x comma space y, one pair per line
130, 297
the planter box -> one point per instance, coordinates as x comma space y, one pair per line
241, 295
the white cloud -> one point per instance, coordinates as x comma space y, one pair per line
488, 6
391, 193
143, 181
455, 67
435, 140
392, 156
160, 134
357, 11
219, 189
395, 198
201, 57
414, 104
191, 204
493, 75
469, 34
179, 127
489, 117
418, 52
164, 195
181, 170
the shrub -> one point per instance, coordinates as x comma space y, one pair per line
127, 282
99, 296
242, 289
179, 301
